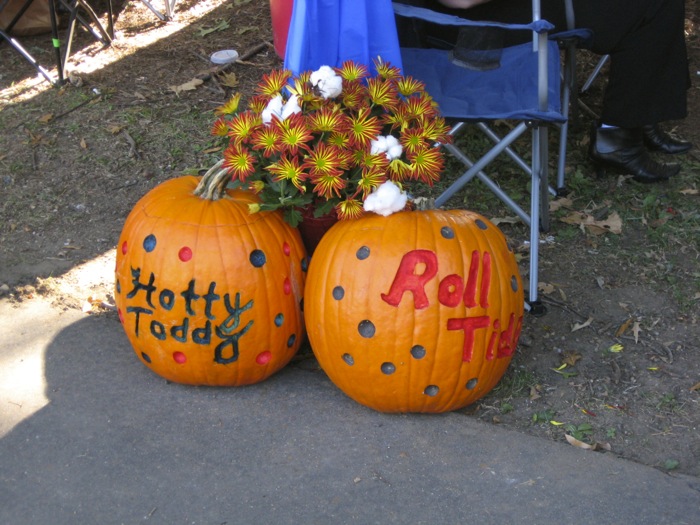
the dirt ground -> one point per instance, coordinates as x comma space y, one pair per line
623, 308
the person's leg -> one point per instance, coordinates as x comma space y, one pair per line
649, 75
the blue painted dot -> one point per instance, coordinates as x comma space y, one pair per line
279, 320
119, 286
366, 329
471, 384
304, 264
362, 253
481, 224
149, 243
447, 232
388, 368
146, 357
338, 293
431, 390
257, 258
514, 283
418, 352
348, 359
290, 341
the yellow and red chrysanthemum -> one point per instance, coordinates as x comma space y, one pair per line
349, 209
273, 84
239, 162
288, 169
323, 152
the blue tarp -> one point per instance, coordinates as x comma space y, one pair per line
329, 32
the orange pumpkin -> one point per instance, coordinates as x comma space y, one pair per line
415, 312
208, 293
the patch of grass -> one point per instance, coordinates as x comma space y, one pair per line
516, 382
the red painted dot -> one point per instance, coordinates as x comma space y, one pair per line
263, 357
185, 254
179, 357
287, 286
286, 248
124, 247
121, 315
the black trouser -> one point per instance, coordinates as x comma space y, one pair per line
649, 75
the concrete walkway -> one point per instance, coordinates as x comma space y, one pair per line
90, 436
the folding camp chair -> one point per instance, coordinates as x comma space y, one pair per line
80, 13
523, 86
169, 9
6, 35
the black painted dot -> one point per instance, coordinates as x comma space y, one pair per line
290, 341
388, 368
301, 304
362, 253
481, 224
514, 283
146, 357
366, 328
338, 293
149, 243
257, 258
279, 320
418, 352
431, 390
348, 359
447, 232
471, 384
119, 286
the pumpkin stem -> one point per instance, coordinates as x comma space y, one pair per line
212, 185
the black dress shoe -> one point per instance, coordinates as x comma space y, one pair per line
622, 150
656, 139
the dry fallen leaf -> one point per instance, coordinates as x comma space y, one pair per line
229, 80
690, 191
635, 331
561, 202
613, 224
580, 444
546, 288
695, 387
47, 117
187, 86
83, 144
623, 327
579, 326
114, 128
570, 357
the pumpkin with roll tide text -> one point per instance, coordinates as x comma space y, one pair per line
416, 312
207, 292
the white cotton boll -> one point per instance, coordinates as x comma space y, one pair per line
329, 84
394, 152
333, 87
291, 107
273, 109
386, 199
378, 145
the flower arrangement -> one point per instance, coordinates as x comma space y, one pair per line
329, 139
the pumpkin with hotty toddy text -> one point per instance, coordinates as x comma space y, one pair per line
208, 293
419, 311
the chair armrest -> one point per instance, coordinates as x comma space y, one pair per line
408, 11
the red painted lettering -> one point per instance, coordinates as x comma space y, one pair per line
468, 325
407, 278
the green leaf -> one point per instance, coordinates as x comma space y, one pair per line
671, 464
